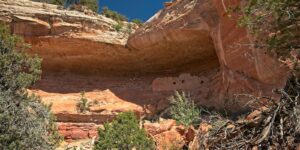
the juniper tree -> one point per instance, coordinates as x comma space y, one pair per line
123, 133
25, 123
275, 25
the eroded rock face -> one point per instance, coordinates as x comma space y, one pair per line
190, 45
73, 41
102, 106
243, 69
76, 131
184, 82
67, 40
166, 134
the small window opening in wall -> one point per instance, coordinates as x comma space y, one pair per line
202, 82
182, 81
174, 83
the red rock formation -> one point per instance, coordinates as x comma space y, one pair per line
189, 45
157, 128
102, 106
76, 131
243, 69
167, 135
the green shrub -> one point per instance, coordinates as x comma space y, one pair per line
56, 2
118, 26
275, 24
91, 4
83, 103
113, 15
123, 133
137, 21
129, 28
183, 109
25, 123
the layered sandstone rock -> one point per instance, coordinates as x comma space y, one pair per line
190, 45
206, 28
66, 40
71, 42
74, 41
102, 106
76, 131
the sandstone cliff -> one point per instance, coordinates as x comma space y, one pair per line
190, 45
205, 28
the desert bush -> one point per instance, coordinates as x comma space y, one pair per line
25, 123
183, 109
91, 4
123, 133
274, 24
129, 28
137, 21
83, 103
113, 15
118, 26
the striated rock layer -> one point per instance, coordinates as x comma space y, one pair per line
191, 45
243, 69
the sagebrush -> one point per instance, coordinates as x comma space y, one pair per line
183, 109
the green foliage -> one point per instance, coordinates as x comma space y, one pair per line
183, 109
113, 15
83, 103
57, 2
137, 21
275, 24
25, 123
17, 69
123, 133
129, 28
91, 4
118, 26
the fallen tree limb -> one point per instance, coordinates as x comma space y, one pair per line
278, 126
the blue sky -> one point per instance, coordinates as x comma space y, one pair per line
142, 9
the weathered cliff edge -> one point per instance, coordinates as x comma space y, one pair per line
206, 27
189, 45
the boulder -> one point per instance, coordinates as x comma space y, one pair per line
156, 128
